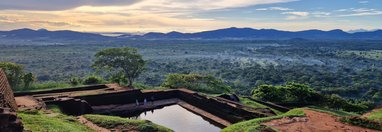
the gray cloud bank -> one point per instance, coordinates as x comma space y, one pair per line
58, 4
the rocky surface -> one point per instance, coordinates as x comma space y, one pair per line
9, 122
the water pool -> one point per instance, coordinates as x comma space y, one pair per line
178, 119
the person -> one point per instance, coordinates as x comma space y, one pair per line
144, 101
136, 102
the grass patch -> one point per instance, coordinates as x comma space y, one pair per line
46, 86
55, 108
111, 122
254, 124
38, 121
254, 104
332, 112
376, 116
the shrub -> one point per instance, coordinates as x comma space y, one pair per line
292, 92
337, 102
75, 81
363, 122
93, 80
304, 95
206, 84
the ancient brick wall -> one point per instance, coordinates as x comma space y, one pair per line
6, 94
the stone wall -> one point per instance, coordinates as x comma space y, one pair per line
6, 94
230, 111
225, 109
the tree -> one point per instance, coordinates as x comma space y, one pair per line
28, 80
118, 78
14, 73
124, 61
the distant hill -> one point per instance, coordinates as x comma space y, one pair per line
228, 33
361, 30
45, 34
249, 33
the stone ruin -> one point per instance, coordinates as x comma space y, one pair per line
8, 107
6, 94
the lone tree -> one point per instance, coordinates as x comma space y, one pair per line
126, 62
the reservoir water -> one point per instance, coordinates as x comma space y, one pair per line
178, 119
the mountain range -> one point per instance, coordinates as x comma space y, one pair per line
227, 33
249, 33
45, 34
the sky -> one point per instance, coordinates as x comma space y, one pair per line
142, 16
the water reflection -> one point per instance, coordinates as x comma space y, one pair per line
178, 119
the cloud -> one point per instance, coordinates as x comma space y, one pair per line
166, 15
355, 10
292, 18
148, 4
120, 15
274, 9
321, 14
371, 13
363, 2
59, 4
362, 10
199, 5
108, 22
297, 13
341, 10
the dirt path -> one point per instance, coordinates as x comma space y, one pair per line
314, 122
90, 124
28, 102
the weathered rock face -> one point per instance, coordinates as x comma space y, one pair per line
7, 99
9, 121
